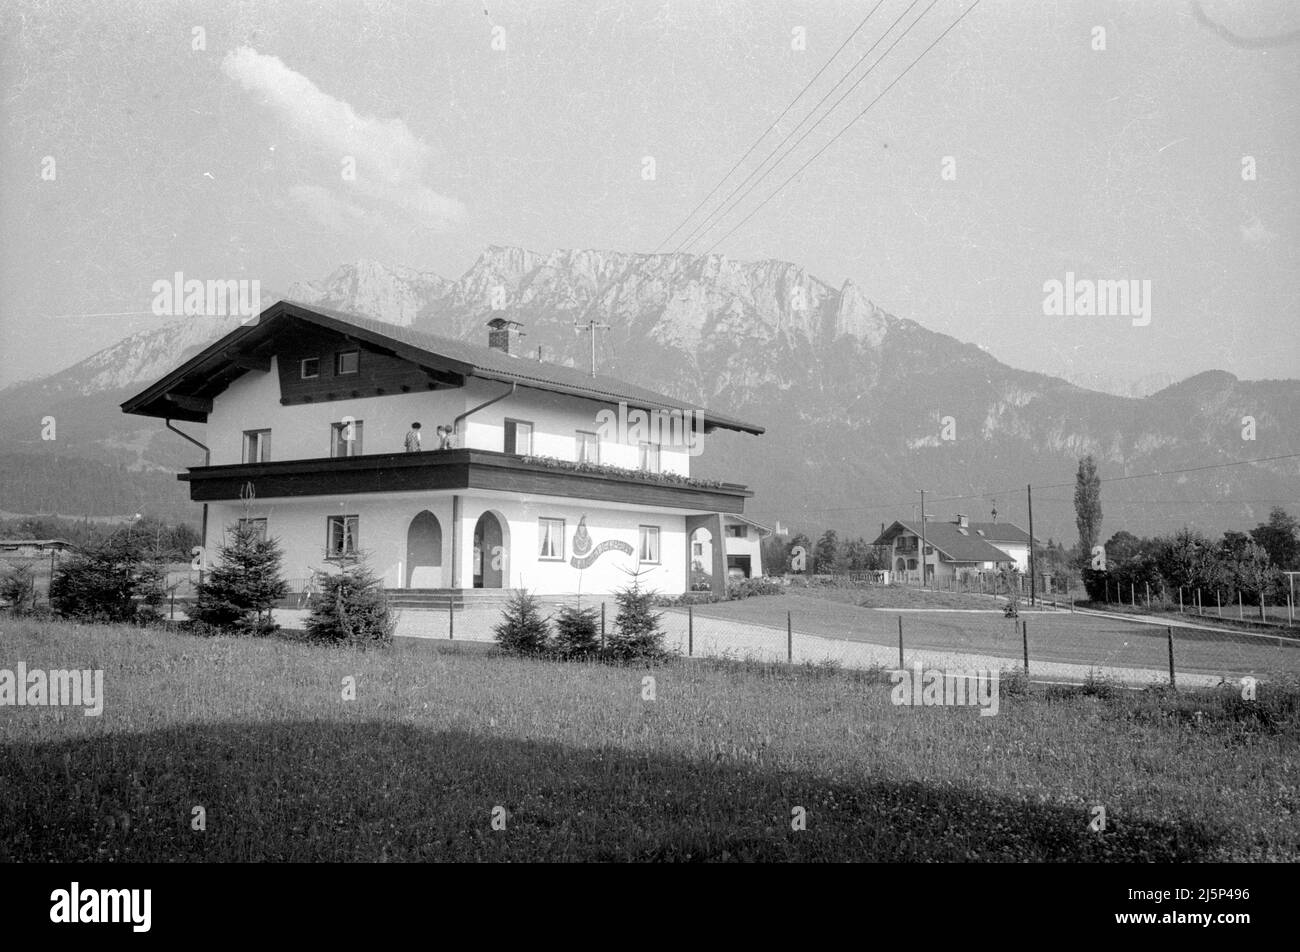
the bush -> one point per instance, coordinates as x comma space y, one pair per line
1097, 583
689, 598
240, 591
522, 630
577, 631
18, 588
746, 587
103, 582
636, 635
350, 608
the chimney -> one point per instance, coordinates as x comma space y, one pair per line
963, 521
504, 335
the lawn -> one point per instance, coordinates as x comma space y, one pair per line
257, 734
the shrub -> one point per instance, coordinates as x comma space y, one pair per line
239, 592
522, 630
18, 588
746, 587
103, 582
350, 607
577, 631
637, 634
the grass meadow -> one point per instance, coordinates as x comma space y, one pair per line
584, 767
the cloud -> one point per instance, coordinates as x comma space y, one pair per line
391, 160
327, 208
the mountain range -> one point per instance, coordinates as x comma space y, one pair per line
862, 408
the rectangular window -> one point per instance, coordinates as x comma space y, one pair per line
347, 362
341, 536
310, 368
697, 548
649, 457
587, 448
257, 446
519, 437
649, 548
257, 525
550, 539
345, 439
736, 532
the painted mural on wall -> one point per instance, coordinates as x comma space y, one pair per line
583, 552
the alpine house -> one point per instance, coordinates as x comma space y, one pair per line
521, 474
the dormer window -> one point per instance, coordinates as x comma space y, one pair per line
310, 368
347, 362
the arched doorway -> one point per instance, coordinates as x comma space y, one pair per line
489, 556
424, 552
900, 567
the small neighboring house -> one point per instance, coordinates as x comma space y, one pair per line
953, 548
744, 547
33, 548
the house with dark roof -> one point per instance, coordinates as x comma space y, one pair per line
953, 549
450, 465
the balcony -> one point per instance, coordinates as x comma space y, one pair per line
457, 470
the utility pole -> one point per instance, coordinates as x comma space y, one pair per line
591, 327
922, 492
1033, 590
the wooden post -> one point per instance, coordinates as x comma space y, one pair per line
1241, 608
1172, 682
1218, 601
1290, 611
690, 631
1180, 599
1033, 581
789, 638
1132, 595
1024, 635
1148, 585
451, 618
900, 643
602, 624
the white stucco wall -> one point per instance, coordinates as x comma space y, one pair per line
302, 431
300, 526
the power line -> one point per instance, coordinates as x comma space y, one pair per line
852, 121
716, 213
723, 213
784, 111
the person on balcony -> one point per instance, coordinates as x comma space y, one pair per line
444, 438
413, 438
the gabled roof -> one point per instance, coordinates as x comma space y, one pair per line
733, 517
180, 394
947, 539
1001, 532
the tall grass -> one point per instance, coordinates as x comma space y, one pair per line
257, 733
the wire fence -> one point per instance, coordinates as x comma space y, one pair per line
1050, 644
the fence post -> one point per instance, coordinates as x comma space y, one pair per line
1180, 599
1172, 682
602, 624
451, 618
1290, 610
1148, 585
1218, 601
901, 666
1132, 594
690, 631
1241, 610
789, 639
1024, 635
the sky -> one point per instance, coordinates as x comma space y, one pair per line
215, 138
